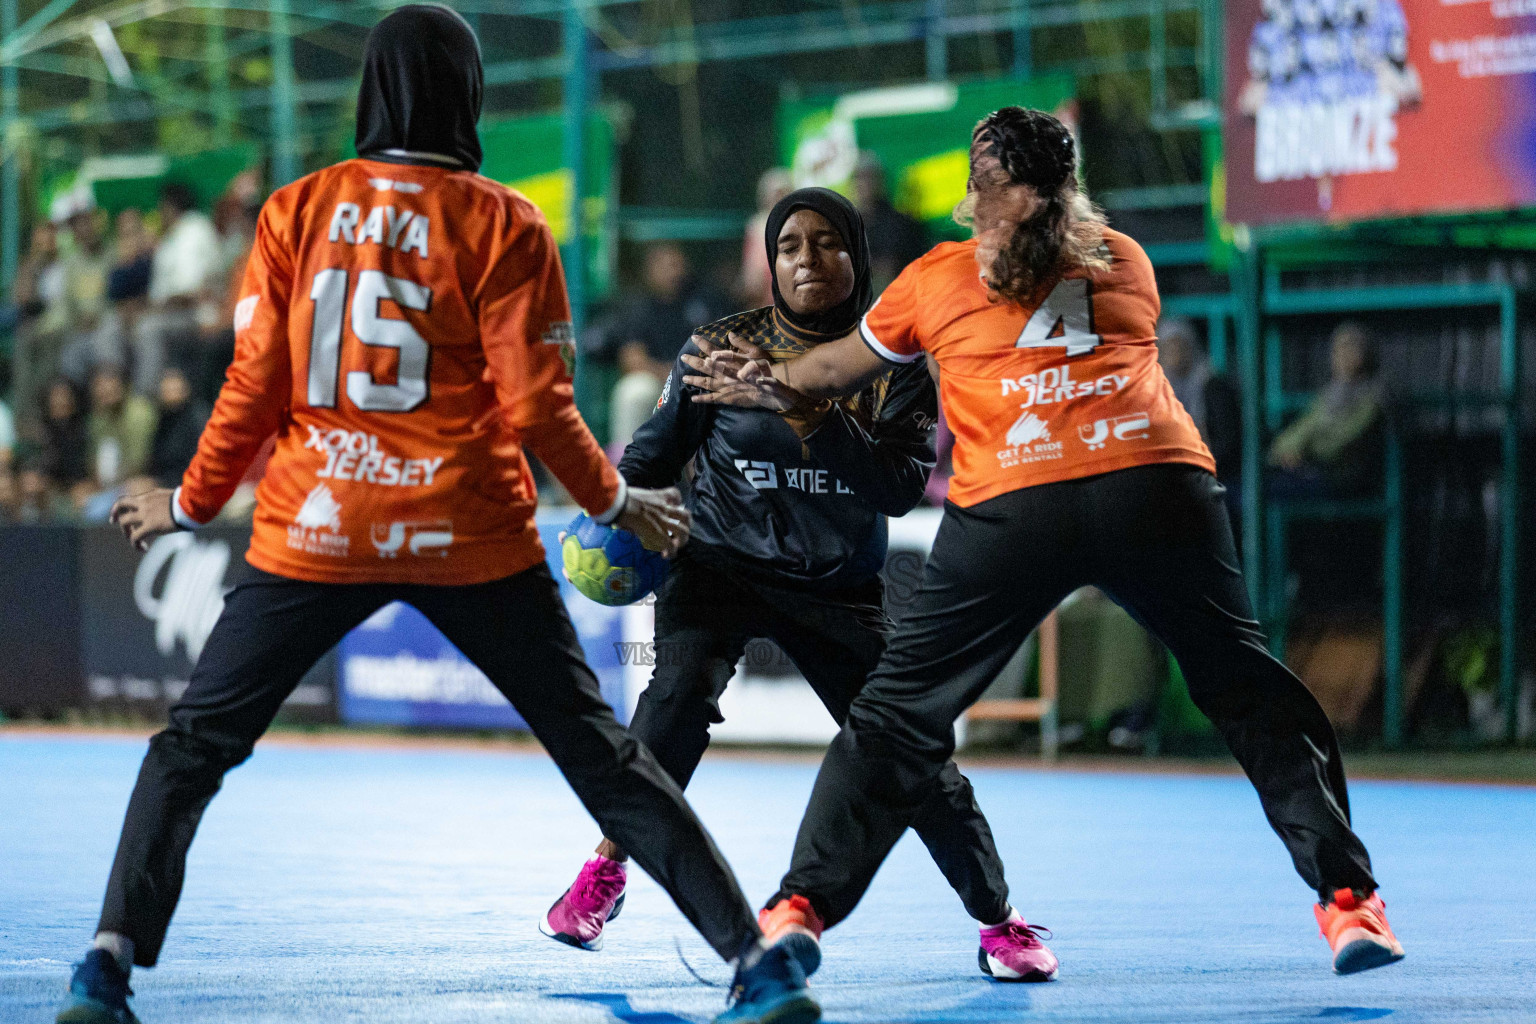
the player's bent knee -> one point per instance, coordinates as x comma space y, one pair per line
193, 758
895, 731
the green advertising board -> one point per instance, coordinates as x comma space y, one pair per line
921, 133
133, 181
527, 154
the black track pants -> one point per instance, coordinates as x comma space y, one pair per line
708, 610
1157, 540
515, 630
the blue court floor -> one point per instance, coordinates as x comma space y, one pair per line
345, 884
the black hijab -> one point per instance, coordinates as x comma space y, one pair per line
844, 217
421, 91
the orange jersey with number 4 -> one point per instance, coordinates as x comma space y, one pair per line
1067, 388
401, 330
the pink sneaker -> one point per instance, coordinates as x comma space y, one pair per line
594, 899
1012, 951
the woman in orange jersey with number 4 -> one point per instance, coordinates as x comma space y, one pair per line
400, 332
1074, 466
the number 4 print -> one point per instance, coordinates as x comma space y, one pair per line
329, 293
1068, 307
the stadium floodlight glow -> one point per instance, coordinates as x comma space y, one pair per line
112, 54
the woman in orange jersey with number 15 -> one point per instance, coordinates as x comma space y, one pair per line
1074, 466
400, 331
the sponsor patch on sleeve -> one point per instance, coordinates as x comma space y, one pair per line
245, 311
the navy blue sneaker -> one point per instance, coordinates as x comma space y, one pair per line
769, 989
98, 992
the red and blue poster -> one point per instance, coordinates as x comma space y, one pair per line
1346, 110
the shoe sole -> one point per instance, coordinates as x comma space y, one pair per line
801, 1010
984, 961
545, 928
797, 1009
92, 1012
1363, 955
805, 950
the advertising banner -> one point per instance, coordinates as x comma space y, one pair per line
1345, 110
40, 670
921, 133
145, 618
397, 669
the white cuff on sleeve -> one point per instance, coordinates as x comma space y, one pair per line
878, 347
183, 520
617, 506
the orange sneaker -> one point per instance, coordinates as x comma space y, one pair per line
1356, 929
794, 924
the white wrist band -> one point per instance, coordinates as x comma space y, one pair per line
182, 520
617, 507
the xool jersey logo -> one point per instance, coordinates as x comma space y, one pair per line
355, 455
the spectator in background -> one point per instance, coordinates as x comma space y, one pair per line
235, 216
76, 319
128, 276
1208, 397
39, 278
179, 423
894, 238
1333, 448
653, 331
120, 429
186, 269
755, 286
58, 478
133, 263
38, 283
36, 500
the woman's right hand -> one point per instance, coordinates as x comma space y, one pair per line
741, 376
658, 518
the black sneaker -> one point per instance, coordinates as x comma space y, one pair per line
98, 992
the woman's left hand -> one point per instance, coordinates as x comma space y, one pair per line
144, 516
741, 375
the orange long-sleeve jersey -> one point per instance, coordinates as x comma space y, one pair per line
401, 330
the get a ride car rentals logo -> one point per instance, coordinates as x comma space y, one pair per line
1028, 440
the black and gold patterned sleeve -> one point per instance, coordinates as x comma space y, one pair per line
665, 442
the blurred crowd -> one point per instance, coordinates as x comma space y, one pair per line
120, 335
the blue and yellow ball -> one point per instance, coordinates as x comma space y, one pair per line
609, 565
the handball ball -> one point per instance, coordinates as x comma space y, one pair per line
609, 565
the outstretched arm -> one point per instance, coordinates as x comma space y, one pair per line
742, 376
834, 369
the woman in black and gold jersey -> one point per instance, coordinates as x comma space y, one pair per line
789, 536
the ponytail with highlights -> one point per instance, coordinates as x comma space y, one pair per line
1066, 231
